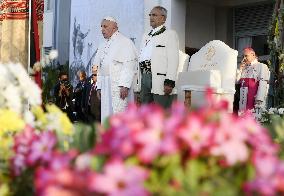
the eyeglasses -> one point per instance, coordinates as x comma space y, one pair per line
155, 15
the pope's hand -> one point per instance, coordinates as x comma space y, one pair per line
123, 92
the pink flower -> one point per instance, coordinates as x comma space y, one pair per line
41, 148
119, 179
265, 165
261, 186
230, 141
69, 181
155, 139
279, 177
25, 137
59, 191
61, 160
18, 164
115, 142
196, 134
22, 142
233, 151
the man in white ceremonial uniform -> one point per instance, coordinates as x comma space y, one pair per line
158, 61
253, 78
116, 59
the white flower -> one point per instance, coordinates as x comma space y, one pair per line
54, 122
276, 41
272, 110
258, 115
13, 98
53, 54
4, 75
281, 110
32, 93
17, 90
29, 89
29, 118
46, 60
42, 62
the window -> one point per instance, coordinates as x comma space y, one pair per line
251, 28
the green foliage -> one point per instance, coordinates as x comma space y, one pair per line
23, 184
274, 122
84, 137
203, 176
50, 78
276, 46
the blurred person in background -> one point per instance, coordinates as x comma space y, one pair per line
78, 95
63, 93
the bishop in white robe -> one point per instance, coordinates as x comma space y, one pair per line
253, 79
116, 58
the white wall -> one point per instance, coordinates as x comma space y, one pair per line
200, 24
178, 19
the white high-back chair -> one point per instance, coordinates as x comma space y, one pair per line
214, 66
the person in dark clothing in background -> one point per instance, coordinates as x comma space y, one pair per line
63, 93
91, 103
78, 95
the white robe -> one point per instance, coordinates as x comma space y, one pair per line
117, 61
260, 73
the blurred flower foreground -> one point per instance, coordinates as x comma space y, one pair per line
142, 151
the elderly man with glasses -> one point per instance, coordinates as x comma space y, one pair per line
158, 61
253, 78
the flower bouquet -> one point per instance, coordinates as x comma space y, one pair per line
142, 151
148, 151
202, 152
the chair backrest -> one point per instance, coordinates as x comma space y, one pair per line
183, 62
216, 55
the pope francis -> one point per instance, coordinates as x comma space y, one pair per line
116, 59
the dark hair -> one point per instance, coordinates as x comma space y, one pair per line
62, 73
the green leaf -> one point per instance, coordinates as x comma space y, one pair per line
195, 170
97, 163
85, 137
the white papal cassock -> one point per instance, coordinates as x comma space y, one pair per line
117, 61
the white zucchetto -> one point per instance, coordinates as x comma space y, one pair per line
110, 18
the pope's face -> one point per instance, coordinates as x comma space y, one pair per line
249, 56
108, 28
156, 18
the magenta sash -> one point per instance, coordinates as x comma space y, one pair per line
252, 86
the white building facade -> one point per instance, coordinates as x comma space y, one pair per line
238, 23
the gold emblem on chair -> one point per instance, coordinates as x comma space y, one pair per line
210, 53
